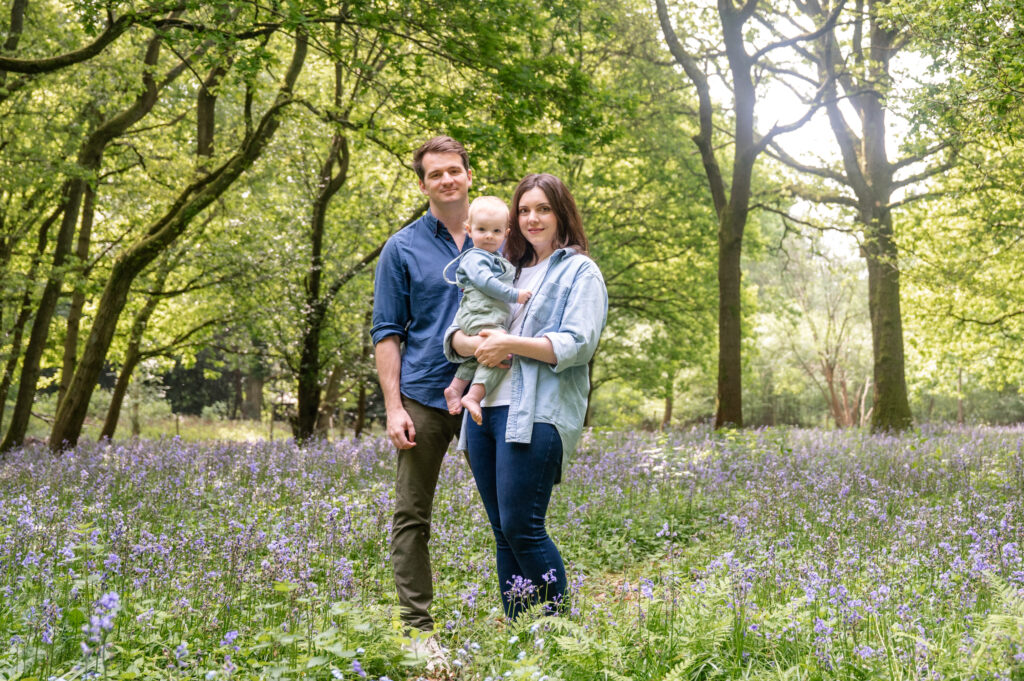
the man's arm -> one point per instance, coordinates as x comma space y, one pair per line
388, 356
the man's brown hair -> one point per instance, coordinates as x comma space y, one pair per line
442, 144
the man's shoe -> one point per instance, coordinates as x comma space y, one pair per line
424, 648
437, 657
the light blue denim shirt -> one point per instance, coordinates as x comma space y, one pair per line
570, 308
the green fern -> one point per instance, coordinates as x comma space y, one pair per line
694, 667
1007, 625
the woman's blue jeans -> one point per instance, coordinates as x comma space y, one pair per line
515, 482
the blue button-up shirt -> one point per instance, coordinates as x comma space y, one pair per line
411, 300
569, 308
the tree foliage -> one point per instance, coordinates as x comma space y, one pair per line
214, 180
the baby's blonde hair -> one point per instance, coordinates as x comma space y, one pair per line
487, 205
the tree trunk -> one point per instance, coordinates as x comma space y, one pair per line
89, 159
731, 199
78, 297
960, 397
891, 406
317, 303
865, 413
666, 418
329, 403
206, 110
30, 365
15, 28
364, 357
133, 354
194, 199
236, 394
136, 424
588, 413
252, 404
360, 422
24, 312
730, 364
869, 174
124, 379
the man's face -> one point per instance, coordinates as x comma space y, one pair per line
445, 181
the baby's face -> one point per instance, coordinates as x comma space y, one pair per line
488, 233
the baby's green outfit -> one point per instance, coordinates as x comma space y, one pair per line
486, 281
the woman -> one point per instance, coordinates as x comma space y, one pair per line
532, 421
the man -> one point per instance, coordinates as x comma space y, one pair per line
414, 305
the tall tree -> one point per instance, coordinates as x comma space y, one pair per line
90, 157
854, 65
159, 236
731, 195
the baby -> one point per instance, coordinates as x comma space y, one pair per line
486, 281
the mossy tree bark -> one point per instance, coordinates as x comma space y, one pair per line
90, 157
161, 234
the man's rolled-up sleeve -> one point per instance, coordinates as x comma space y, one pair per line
390, 296
586, 311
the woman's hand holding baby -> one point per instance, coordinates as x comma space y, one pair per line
492, 351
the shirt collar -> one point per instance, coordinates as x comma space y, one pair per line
434, 225
563, 253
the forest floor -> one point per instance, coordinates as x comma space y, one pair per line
767, 554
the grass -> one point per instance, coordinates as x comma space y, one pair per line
777, 554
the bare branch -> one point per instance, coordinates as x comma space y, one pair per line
827, 26
816, 103
705, 117
923, 196
779, 154
181, 338
987, 322
47, 64
924, 174
786, 217
916, 158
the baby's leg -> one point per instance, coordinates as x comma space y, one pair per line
453, 394
471, 401
463, 377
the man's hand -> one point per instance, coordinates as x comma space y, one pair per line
388, 357
524, 295
401, 430
491, 352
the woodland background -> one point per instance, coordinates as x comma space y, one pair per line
806, 212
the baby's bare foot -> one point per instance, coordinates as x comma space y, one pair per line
473, 407
452, 398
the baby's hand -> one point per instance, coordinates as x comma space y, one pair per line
524, 295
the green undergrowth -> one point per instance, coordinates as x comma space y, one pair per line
747, 555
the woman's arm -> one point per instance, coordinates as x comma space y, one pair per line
579, 329
498, 344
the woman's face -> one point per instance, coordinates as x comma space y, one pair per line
537, 222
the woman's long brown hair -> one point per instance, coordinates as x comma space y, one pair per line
518, 250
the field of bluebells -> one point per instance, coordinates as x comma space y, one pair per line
777, 554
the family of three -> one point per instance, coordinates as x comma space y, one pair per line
528, 324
